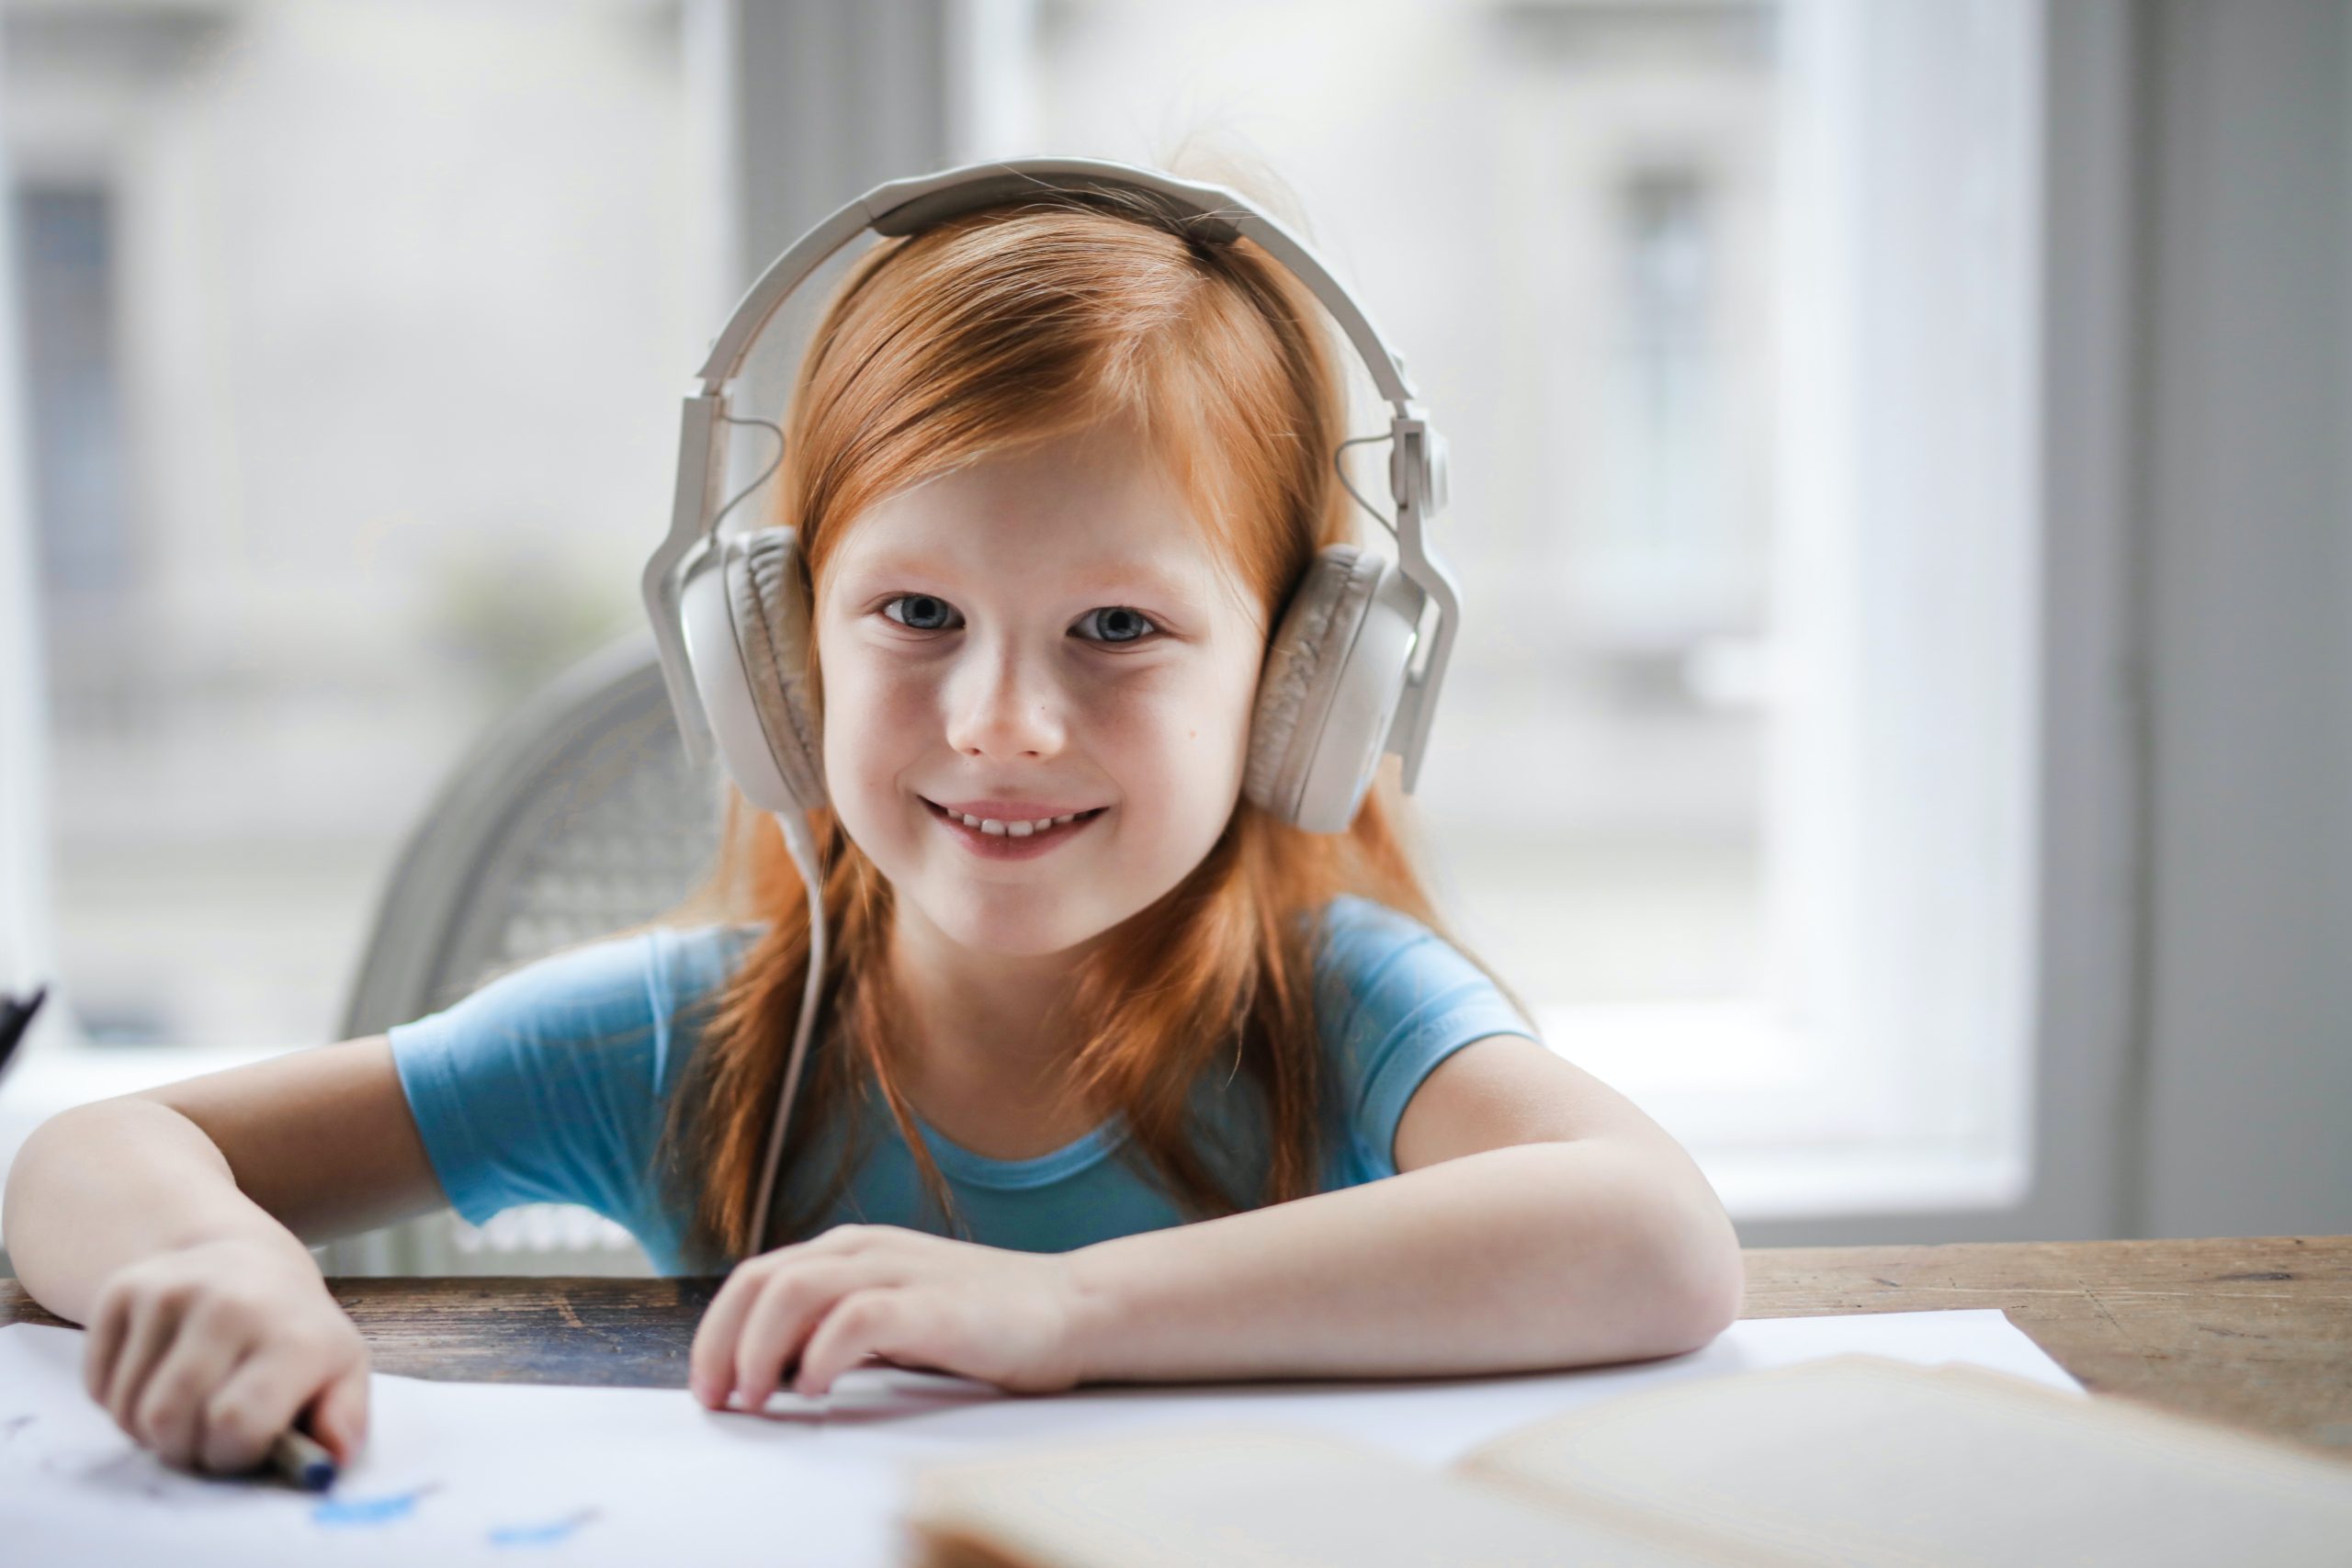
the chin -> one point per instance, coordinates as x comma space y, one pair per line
1022, 928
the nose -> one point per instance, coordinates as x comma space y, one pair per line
1003, 703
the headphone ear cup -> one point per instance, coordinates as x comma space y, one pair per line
770, 608
1300, 688
745, 620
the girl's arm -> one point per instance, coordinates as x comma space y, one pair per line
312, 1144
173, 1223
1538, 1219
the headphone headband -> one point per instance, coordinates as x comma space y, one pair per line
898, 208
1417, 459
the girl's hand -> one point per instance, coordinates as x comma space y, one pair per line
205, 1353
1009, 1318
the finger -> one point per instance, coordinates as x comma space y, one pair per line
340, 1420
876, 1322
259, 1400
711, 1363
108, 1325
790, 1306
153, 1325
169, 1414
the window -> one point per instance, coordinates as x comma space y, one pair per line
352, 340
1729, 310
66, 271
1726, 311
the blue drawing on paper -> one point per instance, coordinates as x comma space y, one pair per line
548, 1534
384, 1510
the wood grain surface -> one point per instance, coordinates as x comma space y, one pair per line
2255, 1332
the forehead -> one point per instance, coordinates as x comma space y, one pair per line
1092, 508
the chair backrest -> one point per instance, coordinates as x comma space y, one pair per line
579, 815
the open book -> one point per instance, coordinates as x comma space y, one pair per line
1851, 1459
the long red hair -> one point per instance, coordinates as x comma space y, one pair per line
985, 333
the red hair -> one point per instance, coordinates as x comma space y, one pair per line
985, 334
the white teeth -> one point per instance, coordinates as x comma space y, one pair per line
989, 825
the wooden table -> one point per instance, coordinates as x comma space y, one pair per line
2252, 1331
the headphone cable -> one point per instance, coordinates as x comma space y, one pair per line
797, 839
1338, 463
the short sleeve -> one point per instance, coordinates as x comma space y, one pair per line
1393, 999
549, 1085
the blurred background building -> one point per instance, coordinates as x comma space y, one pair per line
1878, 523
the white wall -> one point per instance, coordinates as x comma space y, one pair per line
2246, 527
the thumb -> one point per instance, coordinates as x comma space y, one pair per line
340, 1419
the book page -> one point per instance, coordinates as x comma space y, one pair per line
1252, 1498
1862, 1459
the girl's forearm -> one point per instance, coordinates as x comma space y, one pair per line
1534, 1256
104, 1185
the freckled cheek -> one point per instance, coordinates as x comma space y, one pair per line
1186, 746
876, 727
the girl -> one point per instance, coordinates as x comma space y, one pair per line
1117, 1078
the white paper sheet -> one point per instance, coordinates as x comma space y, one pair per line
459, 1473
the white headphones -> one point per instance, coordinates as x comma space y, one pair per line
1339, 686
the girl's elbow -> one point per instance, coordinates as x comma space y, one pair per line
1713, 1289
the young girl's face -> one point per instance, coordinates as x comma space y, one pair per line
1043, 635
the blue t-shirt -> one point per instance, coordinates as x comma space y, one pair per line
551, 1085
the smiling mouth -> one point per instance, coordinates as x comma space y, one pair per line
1035, 828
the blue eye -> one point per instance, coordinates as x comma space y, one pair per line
920, 613
1116, 622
